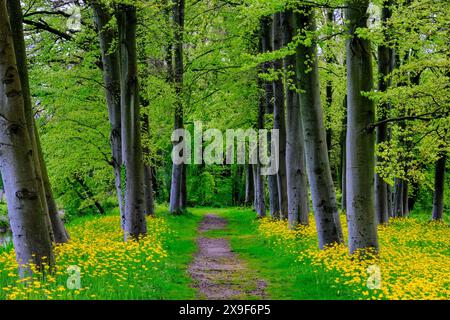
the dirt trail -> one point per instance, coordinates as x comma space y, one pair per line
218, 272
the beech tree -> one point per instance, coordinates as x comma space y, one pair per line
279, 122
178, 183
360, 157
319, 174
134, 223
58, 232
297, 186
28, 217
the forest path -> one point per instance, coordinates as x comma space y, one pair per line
217, 271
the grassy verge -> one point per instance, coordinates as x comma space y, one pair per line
285, 276
154, 268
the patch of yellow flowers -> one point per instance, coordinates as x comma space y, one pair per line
413, 262
105, 261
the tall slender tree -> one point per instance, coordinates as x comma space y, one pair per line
279, 122
58, 232
266, 46
386, 62
134, 223
107, 35
178, 188
360, 158
319, 174
27, 215
297, 185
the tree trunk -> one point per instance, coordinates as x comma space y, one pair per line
135, 222
266, 46
319, 174
362, 224
27, 215
342, 165
58, 231
297, 185
249, 187
111, 78
148, 191
398, 198
260, 201
178, 183
386, 57
405, 198
439, 182
279, 118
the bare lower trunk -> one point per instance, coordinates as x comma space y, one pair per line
319, 174
398, 198
279, 118
135, 222
297, 186
360, 162
439, 182
27, 215
148, 191
249, 186
111, 78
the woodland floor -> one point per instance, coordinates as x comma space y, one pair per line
217, 271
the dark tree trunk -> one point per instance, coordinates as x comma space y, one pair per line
28, 218
398, 198
386, 61
360, 162
318, 167
405, 198
111, 77
135, 223
148, 191
266, 46
89, 195
297, 185
279, 122
249, 188
178, 183
439, 182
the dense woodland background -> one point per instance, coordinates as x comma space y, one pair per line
354, 71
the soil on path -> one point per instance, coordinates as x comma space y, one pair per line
218, 272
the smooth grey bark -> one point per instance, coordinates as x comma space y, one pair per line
386, 62
439, 183
27, 216
134, 223
360, 162
58, 232
249, 185
297, 185
177, 188
318, 167
279, 121
111, 78
342, 165
266, 46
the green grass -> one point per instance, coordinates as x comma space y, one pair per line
286, 278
